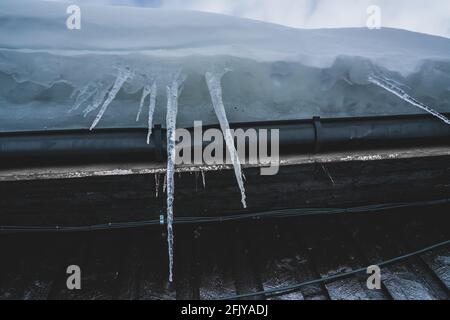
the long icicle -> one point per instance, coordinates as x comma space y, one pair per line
151, 110
99, 98
123, 76
84, 95
392, 88
215, 89
145, 93
171, 122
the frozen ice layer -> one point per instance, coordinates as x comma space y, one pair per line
100, 76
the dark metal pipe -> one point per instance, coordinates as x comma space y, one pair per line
297, 136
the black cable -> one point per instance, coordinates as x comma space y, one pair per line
282, 213
292, 288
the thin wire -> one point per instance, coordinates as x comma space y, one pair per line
293, 288
283, 213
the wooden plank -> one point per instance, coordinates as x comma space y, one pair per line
41, 271
131, 266
245, 275
307, 271
185, 276
220, 260
99, 268
377, 243
376, 248
153, 280
13, 252
212, 256
439, 262
76, 247
332, 255
279, 259
150, 168
129, 198
276, 260
428, 228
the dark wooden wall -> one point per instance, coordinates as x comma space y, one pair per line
93, 200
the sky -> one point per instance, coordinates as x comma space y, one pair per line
426, 16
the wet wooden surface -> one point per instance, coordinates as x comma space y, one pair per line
221, 260
333, 181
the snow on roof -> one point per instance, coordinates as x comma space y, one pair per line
277, 73
38, 25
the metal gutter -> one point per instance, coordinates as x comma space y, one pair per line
296, 137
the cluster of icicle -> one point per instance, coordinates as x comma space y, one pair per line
393, 87
102, 97
103, 94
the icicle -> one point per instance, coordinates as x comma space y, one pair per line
348, 81
171, 121
196, 180
145, 93
328, 173
203, 179
123, 76
76, 92
164, 183
215, 90
395, 82
156, 184
152, 91
100, 96
151, 110
84, 95
392, 88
